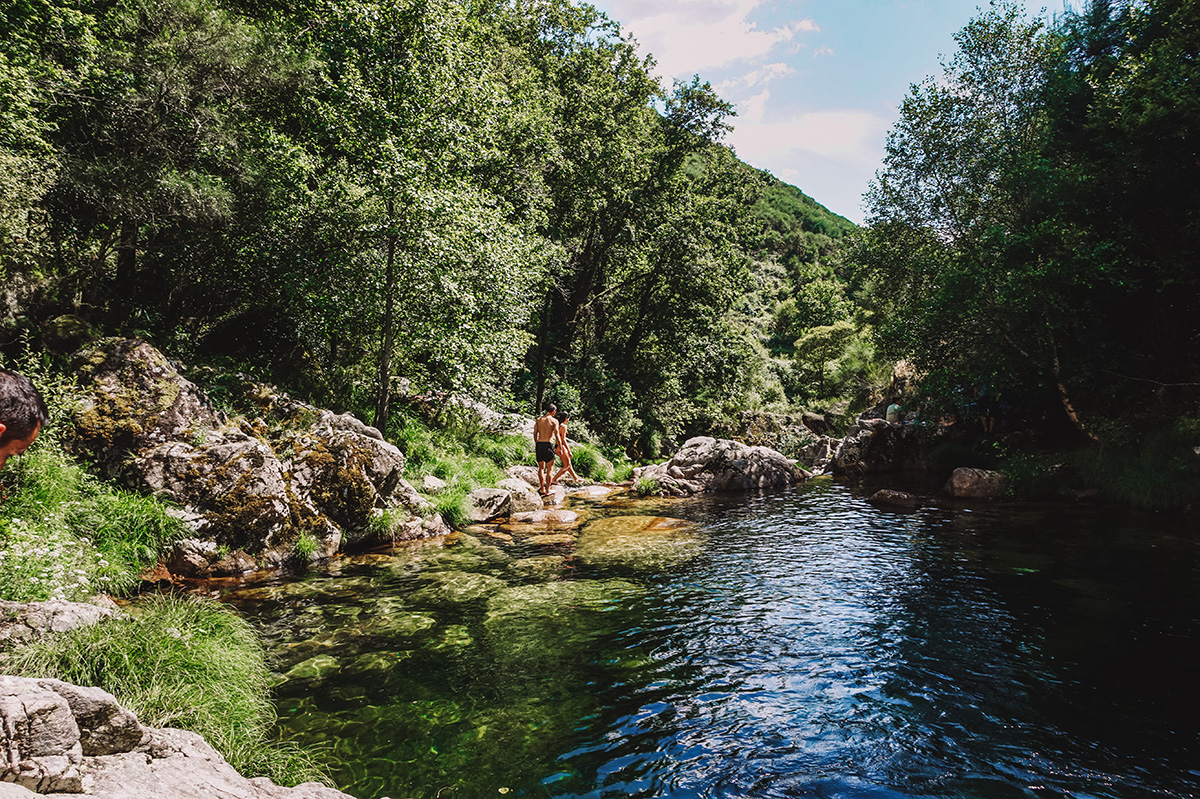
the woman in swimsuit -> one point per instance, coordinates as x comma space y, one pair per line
563, 450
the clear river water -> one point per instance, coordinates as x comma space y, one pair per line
794, 644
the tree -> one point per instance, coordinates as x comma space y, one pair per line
975, 272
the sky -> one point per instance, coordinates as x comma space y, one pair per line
816, 83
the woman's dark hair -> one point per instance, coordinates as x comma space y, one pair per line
562, 416
22, 408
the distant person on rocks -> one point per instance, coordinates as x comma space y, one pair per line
545, 430
22, 414
564, 451
893, 412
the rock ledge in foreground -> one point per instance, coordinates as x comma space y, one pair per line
73, 742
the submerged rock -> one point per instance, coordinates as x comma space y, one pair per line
456, 588
896, 499
639, 543
547, 567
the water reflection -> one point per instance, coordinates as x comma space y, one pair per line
814, 646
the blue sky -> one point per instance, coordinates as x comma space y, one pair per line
817, 83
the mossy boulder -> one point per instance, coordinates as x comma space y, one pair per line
291, 472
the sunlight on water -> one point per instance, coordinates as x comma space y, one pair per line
814, 646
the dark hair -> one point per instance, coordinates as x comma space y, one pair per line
551, 408
22, 408
563, 416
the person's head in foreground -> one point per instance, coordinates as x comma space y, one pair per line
22, 414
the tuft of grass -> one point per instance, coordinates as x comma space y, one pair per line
589, 462
645, 486
306, 547
179, 661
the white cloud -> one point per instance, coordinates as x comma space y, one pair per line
690, 36
822, 51
755, 79
853, 137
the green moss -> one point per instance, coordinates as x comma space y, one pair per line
341, 489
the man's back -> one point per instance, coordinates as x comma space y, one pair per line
544, 427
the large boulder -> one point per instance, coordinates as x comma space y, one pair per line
74, 742
706, 464
255, 483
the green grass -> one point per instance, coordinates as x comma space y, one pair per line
66, 535
179, 661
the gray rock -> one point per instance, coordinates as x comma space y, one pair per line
485, 504
969, 483
75, 742
523, 498
40, 738
22, 623
711, 464
529, 474
105, 728
433, 485
815, 422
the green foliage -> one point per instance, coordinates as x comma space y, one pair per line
589, 462
179, 661
306, 547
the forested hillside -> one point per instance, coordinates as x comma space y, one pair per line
492, 198
496, 199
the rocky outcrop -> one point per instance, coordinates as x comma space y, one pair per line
785, 433
874, 446
968, 483
73, 742
710, 464
251, 485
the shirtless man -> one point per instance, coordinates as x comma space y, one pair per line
22, 414
545, 428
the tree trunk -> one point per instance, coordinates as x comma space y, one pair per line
384, 386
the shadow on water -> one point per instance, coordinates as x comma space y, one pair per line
797, 644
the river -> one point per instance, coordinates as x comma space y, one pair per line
796, 644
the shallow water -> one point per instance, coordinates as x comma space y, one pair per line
813, 646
